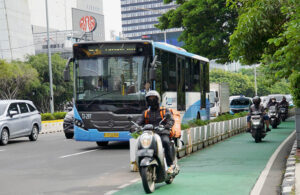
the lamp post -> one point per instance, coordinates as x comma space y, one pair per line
49, 61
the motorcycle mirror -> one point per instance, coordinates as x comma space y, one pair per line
130, 118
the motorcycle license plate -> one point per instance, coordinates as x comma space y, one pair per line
111, 134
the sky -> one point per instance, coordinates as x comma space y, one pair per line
60, 17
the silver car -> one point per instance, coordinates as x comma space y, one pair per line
18, 118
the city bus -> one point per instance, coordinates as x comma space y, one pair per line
111, 80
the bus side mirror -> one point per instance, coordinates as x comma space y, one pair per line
152, 74
67, 77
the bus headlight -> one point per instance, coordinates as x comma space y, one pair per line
146, 140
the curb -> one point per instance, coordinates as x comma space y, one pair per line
288, 182
48, 132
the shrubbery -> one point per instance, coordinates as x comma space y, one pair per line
54, 116
224, 117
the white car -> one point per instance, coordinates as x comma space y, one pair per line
18, 118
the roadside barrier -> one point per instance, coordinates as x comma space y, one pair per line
52, 126
197, 138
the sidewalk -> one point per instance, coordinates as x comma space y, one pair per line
229, 167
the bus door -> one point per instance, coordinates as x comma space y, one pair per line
180, 83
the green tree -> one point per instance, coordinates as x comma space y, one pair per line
207, 25
239, 84
62, 91
15, 78
268, 32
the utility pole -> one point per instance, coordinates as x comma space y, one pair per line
49, 61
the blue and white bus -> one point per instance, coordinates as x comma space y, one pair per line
110, 80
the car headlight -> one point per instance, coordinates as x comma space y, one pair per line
146, 140
79, 123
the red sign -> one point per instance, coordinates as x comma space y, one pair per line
88, 23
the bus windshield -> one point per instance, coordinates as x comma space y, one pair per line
111, 80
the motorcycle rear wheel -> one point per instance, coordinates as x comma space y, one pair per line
147, 174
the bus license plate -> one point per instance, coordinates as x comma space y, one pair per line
111, 134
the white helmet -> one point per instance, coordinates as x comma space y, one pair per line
153, 93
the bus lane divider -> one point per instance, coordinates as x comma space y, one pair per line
76, 154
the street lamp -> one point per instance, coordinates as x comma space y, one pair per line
49, 61
160, 12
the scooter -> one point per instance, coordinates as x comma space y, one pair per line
150, 156
273, 115
283, 113
257, 126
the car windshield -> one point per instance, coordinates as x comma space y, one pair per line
2, 108
240, 102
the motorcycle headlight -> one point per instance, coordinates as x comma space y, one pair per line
146, 140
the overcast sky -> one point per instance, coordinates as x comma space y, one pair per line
60, 17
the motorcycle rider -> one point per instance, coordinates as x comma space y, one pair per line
273, 102
154, 117
257, 107
284, 103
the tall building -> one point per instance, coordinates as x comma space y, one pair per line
16, 39
140, 16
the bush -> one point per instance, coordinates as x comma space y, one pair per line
59, 115
47, 117
54, 116
224, 117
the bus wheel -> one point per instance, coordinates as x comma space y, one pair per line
102, 143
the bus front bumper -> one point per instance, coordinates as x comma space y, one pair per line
95, 135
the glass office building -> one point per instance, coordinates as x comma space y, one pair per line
140, 16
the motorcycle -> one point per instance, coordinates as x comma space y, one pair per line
150, 156
273, 115
257, 126
283, 113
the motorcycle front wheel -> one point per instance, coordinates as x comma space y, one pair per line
148, 175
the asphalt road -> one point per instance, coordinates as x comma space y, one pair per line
54, 165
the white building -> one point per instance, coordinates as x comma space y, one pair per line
16, 40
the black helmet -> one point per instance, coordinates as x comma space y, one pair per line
256, 100
283, 98
153, 104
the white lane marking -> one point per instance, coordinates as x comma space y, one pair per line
256, 190
124, 185
2, 150
111, 192
135, 180
79, 153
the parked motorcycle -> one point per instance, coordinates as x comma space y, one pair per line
150, 157
283, 113
257, 126
273, 115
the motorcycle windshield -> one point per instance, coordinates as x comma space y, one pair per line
272, 109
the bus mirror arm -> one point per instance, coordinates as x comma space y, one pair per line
67, 77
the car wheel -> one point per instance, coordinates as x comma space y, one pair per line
34, 133
69, 135
4, 137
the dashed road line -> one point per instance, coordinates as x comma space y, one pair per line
2, 150
76, 154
